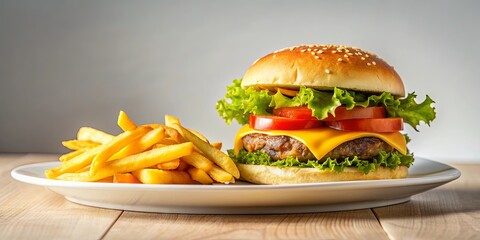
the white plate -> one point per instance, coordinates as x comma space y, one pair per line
244, 198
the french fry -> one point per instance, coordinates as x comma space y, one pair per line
106, 180
70, 155
157, 176
170, 121
219, 157
87, 168
220, 175
172, 165
174, 134
79, 144
125, 178
132, 162
153, 125
124, 122
114, 146
150, 153
94, 135
75, 164
183, 166
199, 175
198, 134
141, 144
166, 141
217, 145
199, 161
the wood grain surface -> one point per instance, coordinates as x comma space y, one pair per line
448, 212
32, 212
451, 211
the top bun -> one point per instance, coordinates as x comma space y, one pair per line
324, 67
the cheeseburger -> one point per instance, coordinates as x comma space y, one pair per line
318, 113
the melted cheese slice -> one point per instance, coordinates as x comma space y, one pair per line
322, 140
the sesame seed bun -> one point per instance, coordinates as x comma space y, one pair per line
324, 67
261, 174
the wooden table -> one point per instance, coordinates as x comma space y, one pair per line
451, 211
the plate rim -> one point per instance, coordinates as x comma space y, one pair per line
448, 174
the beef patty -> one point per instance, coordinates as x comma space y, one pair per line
281, 147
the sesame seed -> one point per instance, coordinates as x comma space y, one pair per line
350, 54
340, 59
309, 49
327, 71
374, 63
324, 48
317, 57
345, 55
363, 58
369, 64
320, 51
303, 50
366, 55
334, 51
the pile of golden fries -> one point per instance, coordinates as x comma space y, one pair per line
152, 154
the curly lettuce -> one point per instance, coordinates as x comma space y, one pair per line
239, 103
390, 160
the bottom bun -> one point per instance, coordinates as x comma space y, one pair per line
261, 174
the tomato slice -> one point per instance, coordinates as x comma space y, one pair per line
368, 125
270, 122
341, 113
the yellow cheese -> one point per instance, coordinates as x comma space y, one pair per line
322, 140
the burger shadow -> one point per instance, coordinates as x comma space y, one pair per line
434, 203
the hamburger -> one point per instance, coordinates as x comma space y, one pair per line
319, 113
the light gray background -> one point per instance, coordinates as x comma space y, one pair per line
67, 64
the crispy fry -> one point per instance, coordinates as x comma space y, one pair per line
106, 180
220, 175
114, 146
165, 141
75, 164
183, 166
170, 121
125, 178
219, 157
79, 144
70, 155
199, 161
157, 176
149, 153
125, 123
94, 135
153, 125
174, 134
169, 165
133, 162
198, 134
141, 144
199, 175
217, 145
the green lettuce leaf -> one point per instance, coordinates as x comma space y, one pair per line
239, 103
385, 159
412, 112
320, 102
